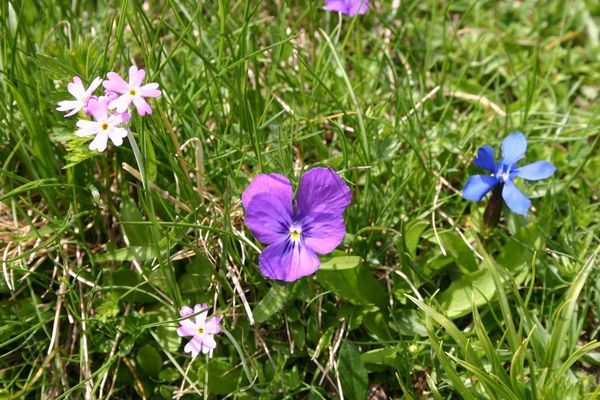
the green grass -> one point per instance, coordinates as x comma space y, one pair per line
97, 261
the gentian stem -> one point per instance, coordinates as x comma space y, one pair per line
491, 216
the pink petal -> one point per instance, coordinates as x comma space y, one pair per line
212, 326
100, 142
121, 103
150, 90
93, 86
142, 106
87, 128
201, 317
194, 346
115, 83
186, 330
136, 76
66, 105
186, 311
116, 135
76, 88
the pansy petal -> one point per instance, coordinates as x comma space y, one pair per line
267, 218
536, 171
141, 105
515, 199
357, 7
276, 186
323, 232
286, 261
322, 190
485, 158
477, 186
336, 5
115, 83
513, 148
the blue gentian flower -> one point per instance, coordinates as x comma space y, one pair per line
503, 173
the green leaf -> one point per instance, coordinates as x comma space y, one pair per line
413, 232
462, 255
271, 303
357, 285
353, 374
139, 253
223, 378
340, 263
149, 360
137, 234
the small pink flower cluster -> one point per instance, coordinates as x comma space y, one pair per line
200, 328
118, 96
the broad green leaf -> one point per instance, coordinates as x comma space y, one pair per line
139, 253
413, 232
223, 378
340, 263
462, 255
149, 360
137, 234
357, 285
271, 303
353, 374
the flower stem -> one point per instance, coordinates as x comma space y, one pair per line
491, 216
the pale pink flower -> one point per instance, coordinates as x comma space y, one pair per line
81, 95
105, 125
200, 328
132, 91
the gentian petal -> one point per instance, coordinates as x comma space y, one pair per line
287, 261
275, 185
322, 190
477, 186
515, 199
485, 158
267, 218
536, 171
323, 232
513, 148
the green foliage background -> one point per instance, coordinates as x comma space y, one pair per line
418, 302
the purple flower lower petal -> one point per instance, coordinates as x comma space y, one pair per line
477, 186
485, 158
267, 218
515, 199
287, 261
322, 190
275, 185
357, 7
323, 232
536, 171
336, 5
513, 148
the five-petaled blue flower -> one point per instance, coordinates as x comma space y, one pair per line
503, 173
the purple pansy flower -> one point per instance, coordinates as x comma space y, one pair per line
348, 7
296, 230
132, 91
503, 173
201, 328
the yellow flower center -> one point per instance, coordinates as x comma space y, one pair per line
295, 233
104, 126
132, 92
200, 330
